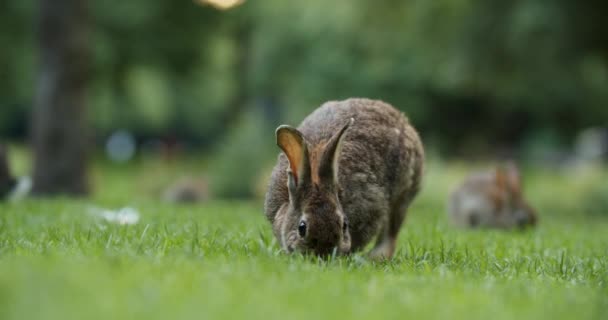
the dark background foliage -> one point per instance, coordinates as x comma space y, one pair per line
476, 77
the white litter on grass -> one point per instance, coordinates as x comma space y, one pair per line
22, 189
123, 216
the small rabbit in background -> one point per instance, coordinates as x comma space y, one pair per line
491, 199
187, 190
346, 176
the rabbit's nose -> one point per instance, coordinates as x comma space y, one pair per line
316, 243
322, 244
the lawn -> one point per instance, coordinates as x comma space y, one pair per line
218, 260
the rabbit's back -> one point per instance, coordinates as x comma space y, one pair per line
380, 164
474, 202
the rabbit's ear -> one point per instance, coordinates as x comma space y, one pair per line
501, 178
513, 178
328, 168
507, 178
292, 142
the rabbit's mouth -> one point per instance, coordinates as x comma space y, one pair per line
320, 252
328, 251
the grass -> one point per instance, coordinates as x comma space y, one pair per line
219, 260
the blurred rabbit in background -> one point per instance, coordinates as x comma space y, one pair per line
491, 199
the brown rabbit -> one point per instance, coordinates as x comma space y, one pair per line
187, 190
346, 175
491, 199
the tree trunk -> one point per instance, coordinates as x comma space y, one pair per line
7, 182
59, 124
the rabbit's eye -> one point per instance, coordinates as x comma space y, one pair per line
302, 229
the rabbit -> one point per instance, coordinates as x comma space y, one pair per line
7, 181
491, 199
346, 175
187, 190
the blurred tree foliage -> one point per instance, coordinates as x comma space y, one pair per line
473, 75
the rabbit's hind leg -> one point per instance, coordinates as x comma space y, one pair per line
387, 238
384, 247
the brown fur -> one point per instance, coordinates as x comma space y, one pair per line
491, 199
367, 176
315, 158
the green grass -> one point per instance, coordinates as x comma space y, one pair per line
220, 261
